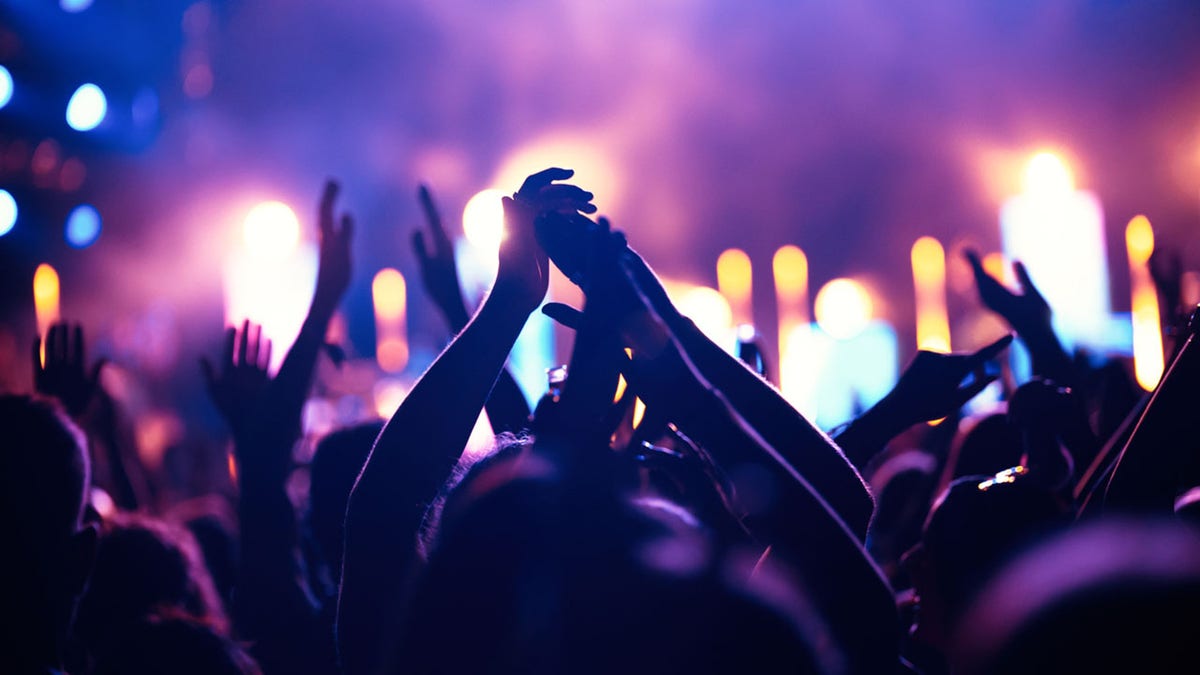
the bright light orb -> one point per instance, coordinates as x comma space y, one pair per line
83, 226
8, 212
87, 107
1048, 174
843, 308
483, 219
271, 230
74, 6
6, 86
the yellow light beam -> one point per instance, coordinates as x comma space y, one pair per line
929, 283
734, 280
1147, 323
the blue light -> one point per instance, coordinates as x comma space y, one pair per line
8, 212
83, 226
87, 107
74, 6
6, 86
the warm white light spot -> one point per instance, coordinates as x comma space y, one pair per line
388, 393
843, 308
1047, 173
711, 312
86, 108
271, 230
483, 220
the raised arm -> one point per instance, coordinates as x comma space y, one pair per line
506, 406
1030, 315
423, 440
933, 386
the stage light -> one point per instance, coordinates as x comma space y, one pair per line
271, 230
6, 86
389, 295
734, 279
843, 308
929, 282
1148, 363
87, 107
483, 220
387, 394
83, 226
711, 313
45, 302
1048, 173
74, 6
8, 212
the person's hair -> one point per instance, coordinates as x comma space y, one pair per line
977, 523
1115, 596
336, 463
44, 470
143, 566
176, 644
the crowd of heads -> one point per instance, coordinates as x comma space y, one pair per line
718, 532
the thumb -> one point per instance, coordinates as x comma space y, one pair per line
563, 314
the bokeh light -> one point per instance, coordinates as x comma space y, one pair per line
74, 6
1148, 360
483, 219
711, 313
843, 308
271, 230
1047, 173
83, 226
929, 283
87, 108
8, 212
6, 86
389, 294
388, 393
734, 279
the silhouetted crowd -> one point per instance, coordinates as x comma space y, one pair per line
718, 532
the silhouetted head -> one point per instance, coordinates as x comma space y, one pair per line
213, 524
336, 463
533, 572
903, 487
47, 552
177, 645
974, 527
1107, 597
145, 566
985, 445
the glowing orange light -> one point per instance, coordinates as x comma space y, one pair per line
388, 292
734, 279
1048, 174
929, 281
45, 301
1147, 323
639, 412
231, 466
789, 267
996, 266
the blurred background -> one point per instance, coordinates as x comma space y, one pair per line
163, 160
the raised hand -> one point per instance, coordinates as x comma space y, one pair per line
523, 275
435, 254
64, 374
932, 386
236, 388
334, 263
1026, 311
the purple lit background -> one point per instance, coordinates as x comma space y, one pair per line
849, 128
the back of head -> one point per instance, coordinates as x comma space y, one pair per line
1116, 596
986, 444
977, 524
177, 645
536, 574
338, 459
143, 566
44, 477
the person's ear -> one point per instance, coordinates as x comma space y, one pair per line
81, 555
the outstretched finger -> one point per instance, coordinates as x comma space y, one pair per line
542, 178
972, 390
991, 351
264, 354
432, 215
328, 197
227, 352
418, 244
243, 345
563, 314
1023, 277
77, 351
346, 234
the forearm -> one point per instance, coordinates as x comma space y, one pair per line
799, 443
868, 434
412, 458
506, 407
